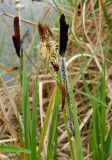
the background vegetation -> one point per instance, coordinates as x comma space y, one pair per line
33, 125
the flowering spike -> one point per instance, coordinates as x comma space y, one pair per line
16, 36
48, 47
63, 94
63, 35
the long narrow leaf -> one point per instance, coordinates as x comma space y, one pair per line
26, 112
53, 128
46, 121
14, 149
34, 123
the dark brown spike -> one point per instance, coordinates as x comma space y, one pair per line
41, 30
44, 31
63, 35
49, 31
16, 36
16, 45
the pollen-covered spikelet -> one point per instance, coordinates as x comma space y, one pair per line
48, 47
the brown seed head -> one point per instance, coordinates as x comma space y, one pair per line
16, 36
48, 47
45, 32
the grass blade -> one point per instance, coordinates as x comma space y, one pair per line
14, 149
52, 143
26, 112
34, 123
79, 148
46, 121
108, 21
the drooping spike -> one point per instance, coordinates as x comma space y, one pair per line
16, 36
